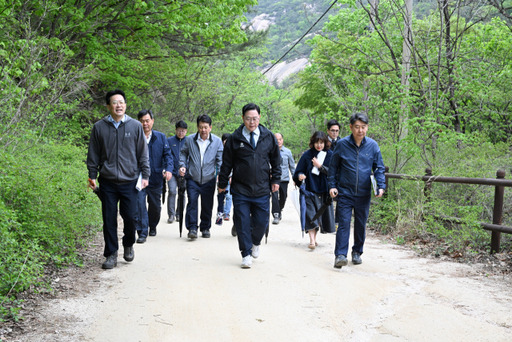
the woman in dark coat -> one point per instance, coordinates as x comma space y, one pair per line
312, 170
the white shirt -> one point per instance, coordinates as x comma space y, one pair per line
148, 138
203, 144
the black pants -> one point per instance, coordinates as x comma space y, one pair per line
279, 198
126, 195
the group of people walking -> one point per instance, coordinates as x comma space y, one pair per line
129, 164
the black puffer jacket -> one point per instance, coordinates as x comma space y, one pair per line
254, 170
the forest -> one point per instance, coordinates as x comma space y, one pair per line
435, 78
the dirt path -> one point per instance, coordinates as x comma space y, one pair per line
178, 290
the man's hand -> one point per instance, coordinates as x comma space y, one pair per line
144, 183
381, 192
182, 171
275, 187
167, 175
333, 192
92, 184
221, 190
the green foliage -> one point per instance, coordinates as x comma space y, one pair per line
450, 217
58, 58
46, 216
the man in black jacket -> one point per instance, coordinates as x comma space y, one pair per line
333, 131
252, 154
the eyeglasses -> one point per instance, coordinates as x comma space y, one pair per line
252, 119
121, 102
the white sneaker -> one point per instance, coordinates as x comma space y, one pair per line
255, 251
247, 261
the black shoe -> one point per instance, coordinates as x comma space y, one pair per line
152, 231
129, 254
205, 234
141, 239
356, 258
219, 219
110, 263
233, 231
192, 234
170, 219
340, 261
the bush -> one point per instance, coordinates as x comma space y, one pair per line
450, 218
46, 215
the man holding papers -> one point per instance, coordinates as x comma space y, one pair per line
355, 158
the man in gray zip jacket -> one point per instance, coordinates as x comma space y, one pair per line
279, 197
200, 160
119, 153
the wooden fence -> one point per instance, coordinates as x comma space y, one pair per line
499, 185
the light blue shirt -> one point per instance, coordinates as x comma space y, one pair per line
116, 123
247, 135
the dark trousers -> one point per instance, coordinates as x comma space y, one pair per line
154, 196
148, 216
361, 208
221, 196
141, 219
279, 198
207, 192
126, 195
250, 216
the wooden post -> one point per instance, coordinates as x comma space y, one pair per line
428, 184
497, 214
386, 170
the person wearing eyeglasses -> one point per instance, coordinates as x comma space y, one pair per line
251, 156
333, 131
161, 163
118, 153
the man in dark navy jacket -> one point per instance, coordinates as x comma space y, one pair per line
252, 153
354, 160
161, 163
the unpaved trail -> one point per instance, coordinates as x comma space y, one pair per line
180, 290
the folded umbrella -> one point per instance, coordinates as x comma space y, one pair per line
164, 190
181, 201
321, 210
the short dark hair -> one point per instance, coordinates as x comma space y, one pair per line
181, 124
359, 116
281, 134
144, 112
333, 122
114, 92
250, 106
319, 136
225, 136
204, 118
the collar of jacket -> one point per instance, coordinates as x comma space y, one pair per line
353, 142
197, 136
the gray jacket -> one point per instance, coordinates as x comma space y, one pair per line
287, 162
119, 155
190, 158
